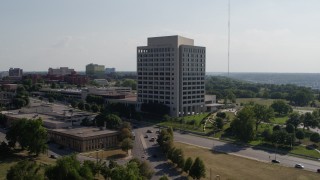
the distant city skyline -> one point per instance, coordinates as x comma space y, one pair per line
266, 36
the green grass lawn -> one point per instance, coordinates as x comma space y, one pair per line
234, 167
197, 127
279, 120
261, 101
304, 151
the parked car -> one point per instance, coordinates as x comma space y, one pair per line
275, 161
300, 166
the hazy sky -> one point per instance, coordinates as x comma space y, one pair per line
266, 35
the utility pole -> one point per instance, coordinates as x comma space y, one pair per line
228, 37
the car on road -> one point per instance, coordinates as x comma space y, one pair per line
149, 131
275, 161
300, 166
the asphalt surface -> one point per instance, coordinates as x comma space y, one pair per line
247, 152
145, 149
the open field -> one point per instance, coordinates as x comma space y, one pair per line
261, 101
234, 167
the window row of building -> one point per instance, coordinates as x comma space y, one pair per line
150, 50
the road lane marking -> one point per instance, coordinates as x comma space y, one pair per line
144, 145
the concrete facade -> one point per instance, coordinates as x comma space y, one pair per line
171, 71
62, 71
84, 138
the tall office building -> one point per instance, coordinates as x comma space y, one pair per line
95, 70
171, 71
15, 72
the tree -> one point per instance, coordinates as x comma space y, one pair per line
187, 165
68, 167
219, 123
130, 171
19, 102
126, 144
145, 169
262, 113
95, 108
294, 119
129, 83
279, 137
3, 120
221, 115
112, 121
315, 137
126, 125
309, 121
290, 128
29, 134
302, 97
281, 107
81, 105
25, 170
242, 125
87, 107
276, 128
300, 135
198, 169
125, 133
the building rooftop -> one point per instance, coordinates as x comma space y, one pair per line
83, 132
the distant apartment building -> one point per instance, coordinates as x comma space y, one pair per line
110, 70
171, 71
95, 70
15, 72
4, 74
62, 71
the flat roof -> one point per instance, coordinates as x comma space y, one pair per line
83, 132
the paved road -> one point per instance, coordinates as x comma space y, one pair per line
144, 149
248, 152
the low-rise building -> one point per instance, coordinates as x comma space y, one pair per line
84, 138
62, 71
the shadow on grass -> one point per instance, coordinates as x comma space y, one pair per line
116, 156
283, 150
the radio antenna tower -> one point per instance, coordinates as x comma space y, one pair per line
228, 37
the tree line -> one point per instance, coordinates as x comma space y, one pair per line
195, 169
227, 88
68, 167
245, 125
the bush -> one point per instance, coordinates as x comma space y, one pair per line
315, 137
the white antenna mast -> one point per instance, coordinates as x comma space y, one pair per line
228, 37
